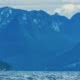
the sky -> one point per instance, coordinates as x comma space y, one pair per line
63, 7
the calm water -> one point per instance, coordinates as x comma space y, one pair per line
37, 75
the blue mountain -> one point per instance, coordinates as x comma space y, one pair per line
72, 28
5, 66
70, 60
32, 40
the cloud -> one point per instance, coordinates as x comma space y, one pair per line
68, 10
27, 2
71, 1
64, 7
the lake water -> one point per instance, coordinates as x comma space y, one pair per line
38, 75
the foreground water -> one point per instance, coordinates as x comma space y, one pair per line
37, 75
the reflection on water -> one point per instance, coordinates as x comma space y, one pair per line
37, 75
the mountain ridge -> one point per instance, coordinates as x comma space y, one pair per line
31, 40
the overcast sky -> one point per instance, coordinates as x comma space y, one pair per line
64, 7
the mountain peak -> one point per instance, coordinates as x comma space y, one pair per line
6, 7
6, 10
76, 15
56, 14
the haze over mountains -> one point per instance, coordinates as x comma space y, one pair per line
35, 40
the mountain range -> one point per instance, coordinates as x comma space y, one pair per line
36, 40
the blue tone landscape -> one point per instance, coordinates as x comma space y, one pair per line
37, 41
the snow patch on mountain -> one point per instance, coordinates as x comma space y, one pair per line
24, 17
35, 21
55, 26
